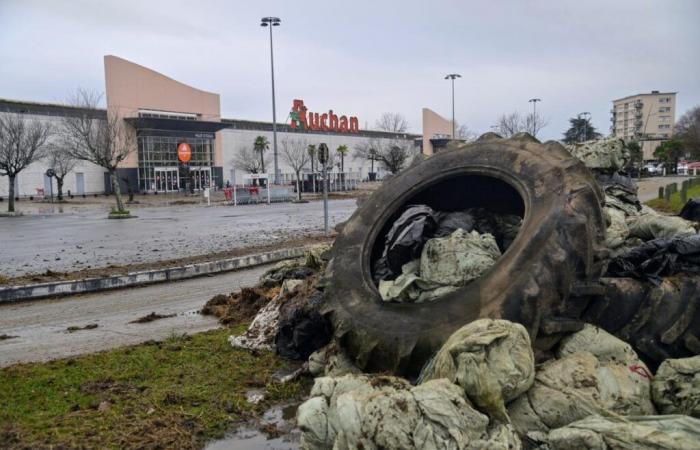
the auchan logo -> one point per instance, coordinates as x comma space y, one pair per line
302, 118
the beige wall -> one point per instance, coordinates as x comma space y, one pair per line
131, 87
434, 125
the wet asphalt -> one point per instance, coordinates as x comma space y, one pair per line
41, 326
84, 239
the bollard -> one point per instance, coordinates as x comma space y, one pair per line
684, 195
661, 192
667, 194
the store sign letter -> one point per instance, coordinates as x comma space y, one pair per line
302, 118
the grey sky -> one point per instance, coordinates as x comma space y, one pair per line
366, 57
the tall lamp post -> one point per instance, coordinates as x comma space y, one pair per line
452, 77
534, 115
273, 22
586, 116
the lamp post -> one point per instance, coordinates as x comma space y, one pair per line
452, 77
273, 22
534, 115
586, 115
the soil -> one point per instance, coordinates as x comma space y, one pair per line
73, 329
114, 270
241, 306
151, 317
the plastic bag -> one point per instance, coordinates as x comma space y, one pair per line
673, 432
676, 386
379, 412
691, 210
658, 258
491, 360
595, 373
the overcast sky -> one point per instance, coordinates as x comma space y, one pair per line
366, 57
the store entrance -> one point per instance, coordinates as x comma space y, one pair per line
201, 177
166, 179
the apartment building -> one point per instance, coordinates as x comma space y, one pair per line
646, 118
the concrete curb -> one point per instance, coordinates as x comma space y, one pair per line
58, 288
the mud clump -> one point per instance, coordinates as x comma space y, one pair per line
151, 317
240, 306
74, 328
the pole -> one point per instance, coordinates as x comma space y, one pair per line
274, 114
453, 109
51, 188
325, 199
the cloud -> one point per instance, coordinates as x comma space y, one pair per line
367, 57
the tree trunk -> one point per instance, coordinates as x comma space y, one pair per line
11, 191
117, 190
59, 188
298, 186
262, 163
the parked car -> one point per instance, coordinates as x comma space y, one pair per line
654, 169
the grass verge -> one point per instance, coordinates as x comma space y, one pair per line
675, 204
178, 393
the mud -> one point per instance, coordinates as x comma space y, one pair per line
151, 317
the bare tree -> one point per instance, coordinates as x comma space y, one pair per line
392, 155
62, 162
367, 150
22, 142
392, 122
534, 123
510, 124
463, 132
106, 142
247, 158
295, 152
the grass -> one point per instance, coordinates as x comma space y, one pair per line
675, 204
178, 393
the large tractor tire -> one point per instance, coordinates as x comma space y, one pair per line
555, 249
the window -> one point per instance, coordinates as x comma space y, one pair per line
664, 127
665, 109
664, 99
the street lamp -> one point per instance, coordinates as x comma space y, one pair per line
585, 124
452, 77
273, 22
534, 115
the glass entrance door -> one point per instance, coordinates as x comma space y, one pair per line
201, 178
166, 179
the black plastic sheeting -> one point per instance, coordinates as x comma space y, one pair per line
302, 328
620, 185
691, 210
419, 223
658, 258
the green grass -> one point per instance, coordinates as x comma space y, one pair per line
178, 393
675, 204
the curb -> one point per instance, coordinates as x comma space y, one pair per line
59, 288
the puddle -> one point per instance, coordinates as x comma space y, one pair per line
249, 436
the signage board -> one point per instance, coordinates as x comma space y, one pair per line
184, 152
301, 117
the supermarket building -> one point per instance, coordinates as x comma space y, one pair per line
164, 113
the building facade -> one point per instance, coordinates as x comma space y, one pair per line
645, 118
163, 114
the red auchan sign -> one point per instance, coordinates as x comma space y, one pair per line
307, 120
184, 152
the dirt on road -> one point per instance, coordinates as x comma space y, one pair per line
51, 329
